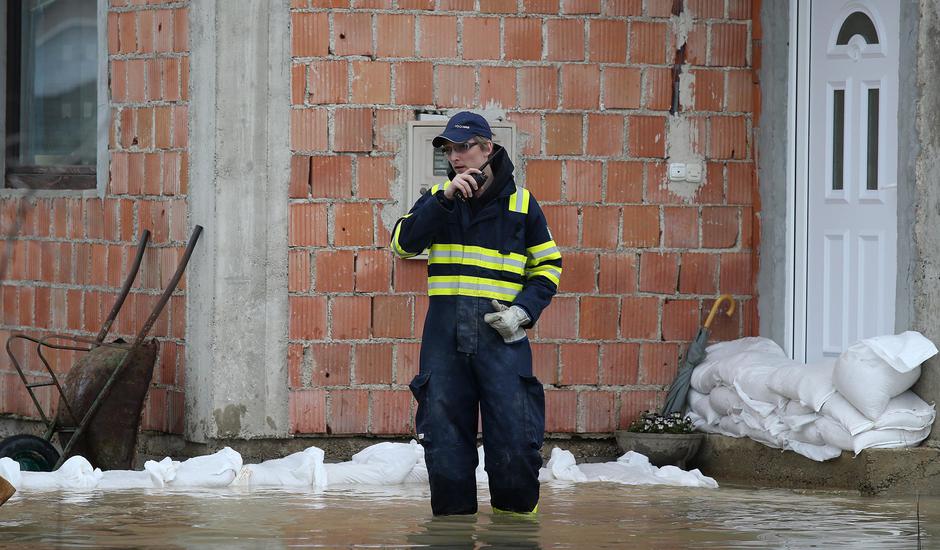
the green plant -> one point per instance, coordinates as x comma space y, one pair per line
651, 422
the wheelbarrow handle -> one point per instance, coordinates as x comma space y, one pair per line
715, 306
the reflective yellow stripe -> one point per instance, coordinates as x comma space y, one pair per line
396, 246
550, 272
519, 201
477, 256
543, 252
465, 285
438, 186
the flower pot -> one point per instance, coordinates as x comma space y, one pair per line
661, 449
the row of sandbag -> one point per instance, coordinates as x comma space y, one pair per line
860, 400
381, 464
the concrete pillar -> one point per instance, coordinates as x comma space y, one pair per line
237, 318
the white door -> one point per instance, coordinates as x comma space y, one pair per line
851, 263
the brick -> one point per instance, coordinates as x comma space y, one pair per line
171, 79
352, 33
352, 317
580, 273
331, 177
308, 130
529, 130
561, 411
749, 237
352, 130
409, 276
353, 224
658, 89
127, 32
647, 136
728, 138
327, 82
598, 410
538, 87
373, 270
543, 179
480, 37
719, 227
498, 6
153, 166
680, 227
545, 362
457, 5
740, 183
659, 272
648, 43
623, 7
580, 87
391, 412
599, 318
600, 227
706, 9
391, 316
563, 134
605, 135
624, 181
163, 34
563, 222
560, 320
330, 364
729, 45
373, 363
617, 273
565, 40
608, 41
541, 6
696, 45
456, 85
395, 35
741, 91
335, 270
522, 38
621, 87
371, 83
639, 318
736, 274
580, 6
349, 412
633, 403
641, 226
416, 4
578, 364
680, 319
498, 86
407, 359
739, 9
310, 34
659, 362
307, 317
698, 273
414, 83
723, 327
298, 271
374, 177
584, 181
307, 225
708, 90
299, 186
437, 37
619, 364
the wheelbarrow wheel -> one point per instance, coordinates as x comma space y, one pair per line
34, 454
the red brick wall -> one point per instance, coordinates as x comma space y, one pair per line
589, 83
70, 253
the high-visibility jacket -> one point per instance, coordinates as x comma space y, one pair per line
505, 251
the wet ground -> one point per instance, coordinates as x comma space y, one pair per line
589, 515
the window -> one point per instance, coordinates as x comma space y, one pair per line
857, 24
51, 88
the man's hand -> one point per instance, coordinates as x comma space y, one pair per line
507, 321
462, 182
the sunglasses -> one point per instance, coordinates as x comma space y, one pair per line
459, 148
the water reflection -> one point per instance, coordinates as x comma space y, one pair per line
477, 531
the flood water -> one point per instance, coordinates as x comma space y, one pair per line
586, 515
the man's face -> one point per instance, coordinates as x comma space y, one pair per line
470, 154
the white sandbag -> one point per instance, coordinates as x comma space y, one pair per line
753, 383
808, 433
301, 469
834, 434
699, 403
480, 472
732, 426
216, 470
161, 472
907, 412
699, 423
75, 473
840, 410
725, 401
562, 465
736, 366
888, 439
759, 344
819, 453
638, 466
763, 408
704, 377
385, 463
797, 415
810, 384
418, 474
630, 469
125, 479
10, 471
872, 371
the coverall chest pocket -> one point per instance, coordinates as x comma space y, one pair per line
512, 234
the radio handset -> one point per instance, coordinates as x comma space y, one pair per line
479, 178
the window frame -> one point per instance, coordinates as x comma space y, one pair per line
102, 162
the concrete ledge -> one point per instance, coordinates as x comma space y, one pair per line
873, 472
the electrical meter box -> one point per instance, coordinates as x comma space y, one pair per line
428, 166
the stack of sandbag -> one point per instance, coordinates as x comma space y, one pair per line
860, 400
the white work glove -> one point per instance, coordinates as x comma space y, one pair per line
508, 321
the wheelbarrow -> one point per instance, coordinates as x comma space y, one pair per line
102, 396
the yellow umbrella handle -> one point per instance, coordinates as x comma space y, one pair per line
711, 314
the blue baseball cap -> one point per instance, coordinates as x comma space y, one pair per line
462, 127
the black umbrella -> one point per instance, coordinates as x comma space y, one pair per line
679, 389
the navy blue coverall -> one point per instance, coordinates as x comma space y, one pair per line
502, 249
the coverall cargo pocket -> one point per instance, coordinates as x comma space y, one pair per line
534, 410
419, 389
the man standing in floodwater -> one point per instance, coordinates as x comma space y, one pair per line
492, 268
